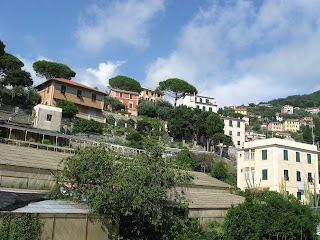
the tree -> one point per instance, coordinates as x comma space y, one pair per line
219, 170
185, 159
69, 109
307, 134
270, 215
135, 140
87, 126
125, 83
179, 124
134, 191
144, 126
114, 103
50, 70
2, 46
176, 88
147, 108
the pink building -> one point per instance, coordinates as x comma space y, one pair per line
235, 128
128, 98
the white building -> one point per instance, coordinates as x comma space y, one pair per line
200, 102
287, 109
235, 128
47, 117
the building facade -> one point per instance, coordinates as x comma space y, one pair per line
128, 98
200, 102
235, 128
275, 126
291, 125
90, 101
279, 165
47, 117
150, 95
241, 110
287, 109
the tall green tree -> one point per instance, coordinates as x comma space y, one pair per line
147, 108
69, 109
50, 70
114, 103
134, 191
176, 88
125, 83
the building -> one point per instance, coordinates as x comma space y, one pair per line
284, 135
200, 102
252, 136
150, 95
306, 121
279, 165
47, 117
241, 110
90, 101
235, 128
291, 125
313, 110
128, 98
275, 126
265, 105
278, 117
287, 109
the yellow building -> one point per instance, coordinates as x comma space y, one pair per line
151, 95
241, 110
291, 125
275, 126
279, 165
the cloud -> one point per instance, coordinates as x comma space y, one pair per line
100, 76
124, 21
239, 52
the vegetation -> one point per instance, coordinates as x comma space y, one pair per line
87, 126
176, 88
50, 70
161, 109
221, 172
125, 83
69, 109
114, 103
134, 191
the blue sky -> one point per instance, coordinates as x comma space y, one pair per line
235, 51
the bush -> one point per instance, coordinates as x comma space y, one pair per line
186, 160
87, 126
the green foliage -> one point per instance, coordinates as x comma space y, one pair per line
185, 160
176, 88
307, 134
125, 83
87, 126
144, 126
195, 231
69, 109
50, 70
147, 108
222, 138
19, 96
135, 140
114, 103
23, 227
110, 120
133, 191
2, 47
219, 170
270, 215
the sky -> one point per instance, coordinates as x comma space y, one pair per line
237, 52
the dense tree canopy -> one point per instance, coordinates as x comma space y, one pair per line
125, 83
87, 126
50, 70
176, 88
132, 190
69, 109
114, 103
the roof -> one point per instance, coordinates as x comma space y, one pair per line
190, 94
204, 180
231, 118
124, 91
54, 206
66, 81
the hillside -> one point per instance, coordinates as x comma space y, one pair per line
302, 101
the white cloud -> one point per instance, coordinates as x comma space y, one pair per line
239, 52
125, 21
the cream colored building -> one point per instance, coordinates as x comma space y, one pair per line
275, 126
151, 95
291, 125
241, 110
200, 102
235, 128
279, 165
287, 109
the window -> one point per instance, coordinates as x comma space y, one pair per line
63, 89
200, 99
299, 194
203, 108
94, 97
286, 175
121, 94
230, 123
79, 93
49, 117
230, 133
264, 154
210, 109
238, 143
264, 174
238, 124
246, 155
131, 96
297, 156
252, 172
207, 100
309, 158
298, 176
198, 107
238, 134
252, 154
310, 179
285, 154
130, 105
147, 92
246, 173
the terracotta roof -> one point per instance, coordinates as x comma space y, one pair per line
62, 80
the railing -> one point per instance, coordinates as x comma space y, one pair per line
88, 116
36, 145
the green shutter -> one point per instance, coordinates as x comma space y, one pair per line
299, 195
203, 108
210, 109
285, 154
298, 176
297, 156
198, 107
309, 158
230, 133
286, 175
310, 177
238, 134
238, 124
264, 174
264, 154
230, 123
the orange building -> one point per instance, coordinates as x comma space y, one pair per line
128, 98
89, 101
